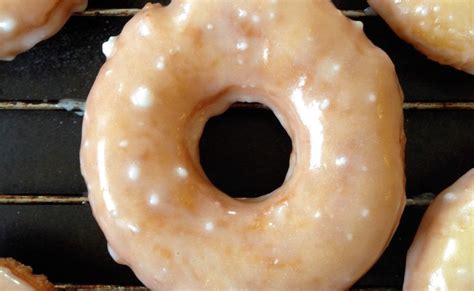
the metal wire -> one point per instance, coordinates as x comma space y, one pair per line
75, 105
55, 199
42, 199
141, 288
132, 11
99, 287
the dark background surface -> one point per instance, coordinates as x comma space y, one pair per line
244, 151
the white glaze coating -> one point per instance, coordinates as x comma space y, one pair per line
310, 233
442, 254
442, 29
25, 23
142, 97
108, 46
8, 281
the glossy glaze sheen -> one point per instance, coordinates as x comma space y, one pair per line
338, 97
18, 277
442, 254
8, 281
25, 23
442, 29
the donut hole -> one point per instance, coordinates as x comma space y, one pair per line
162, 2
245, 151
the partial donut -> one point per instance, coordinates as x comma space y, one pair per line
15, 276
25, 23
336, 94
441, 29
442, 254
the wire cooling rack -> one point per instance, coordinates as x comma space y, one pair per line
45, 219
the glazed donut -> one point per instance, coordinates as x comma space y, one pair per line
441, 29
25, 23
442, 254
18, 277
336, 94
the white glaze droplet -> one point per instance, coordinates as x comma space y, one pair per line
142, 97
133, 228
364, 212
302, 81
7, 24
325, 104
160, 275
161, 64
242, 13
231, 212
123, 143
256, 18
174, 50
265, 55
209, 226
186, 8
182, 172
450, 196
210, 26
341, 161
421, 10
133, 172
108, 46
317, 214
242, 45
154, 199
279, 214
349, 236
143, 29
359, 24
372, 97
276, 261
